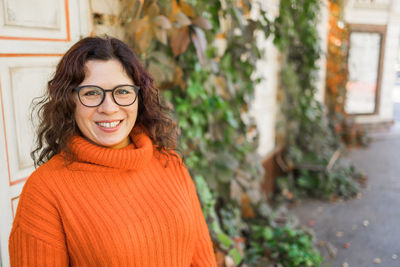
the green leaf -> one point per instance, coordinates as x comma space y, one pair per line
237, 258
268, 234
225, 240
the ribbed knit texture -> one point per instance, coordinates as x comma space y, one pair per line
110, 207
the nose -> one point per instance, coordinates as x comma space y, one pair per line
108, 106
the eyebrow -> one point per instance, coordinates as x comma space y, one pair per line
122, 84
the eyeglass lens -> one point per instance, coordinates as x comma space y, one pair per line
93, 96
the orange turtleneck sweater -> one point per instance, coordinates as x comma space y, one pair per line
110, 207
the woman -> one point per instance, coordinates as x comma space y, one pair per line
110, 190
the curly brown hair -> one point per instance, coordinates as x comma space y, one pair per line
56, 108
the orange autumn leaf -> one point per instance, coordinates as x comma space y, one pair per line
220, 258
144, 34
180, 40
187, 9
247, 209
153, 10
178, 78
175, 8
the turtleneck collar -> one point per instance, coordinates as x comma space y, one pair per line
131, 157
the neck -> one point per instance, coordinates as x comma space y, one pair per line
127, 157
126, 142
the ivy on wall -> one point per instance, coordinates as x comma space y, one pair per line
312, 149
336, 79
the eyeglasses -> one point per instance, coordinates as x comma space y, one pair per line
93, 95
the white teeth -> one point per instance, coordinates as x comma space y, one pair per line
108, 124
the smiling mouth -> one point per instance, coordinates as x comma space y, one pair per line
112, 124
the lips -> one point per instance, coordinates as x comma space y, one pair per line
111, 124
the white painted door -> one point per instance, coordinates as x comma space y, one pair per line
34, 34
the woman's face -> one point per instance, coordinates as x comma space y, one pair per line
109, 124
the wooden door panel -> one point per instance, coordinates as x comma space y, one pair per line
35, 19
23, 79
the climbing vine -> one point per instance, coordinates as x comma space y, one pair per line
311, 147
336, 79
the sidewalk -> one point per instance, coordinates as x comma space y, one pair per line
365, 231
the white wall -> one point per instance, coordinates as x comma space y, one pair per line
265, 105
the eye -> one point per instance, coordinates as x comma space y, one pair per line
90, 92
124, 91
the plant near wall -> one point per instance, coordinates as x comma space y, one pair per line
336, 79
288, 246
311, 147
203, 57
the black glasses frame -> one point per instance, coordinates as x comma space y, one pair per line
135, 87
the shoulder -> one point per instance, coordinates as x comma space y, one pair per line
56, 163
183, 172
37, 196
52, 168
167, 157
38, 184
38, 211
172, 162
39, 176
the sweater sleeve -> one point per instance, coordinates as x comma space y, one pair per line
204, 253
37, 237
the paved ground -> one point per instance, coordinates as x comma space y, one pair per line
369, 226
